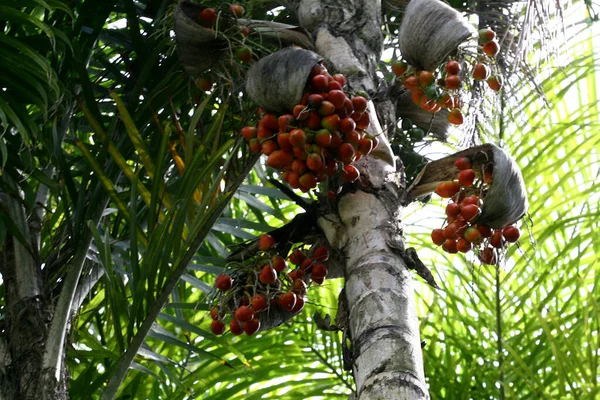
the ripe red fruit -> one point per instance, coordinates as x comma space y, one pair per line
259, 302
455, 117
426, 78
283, 140
340, 78
296, 274
452, 210
359, 103
244, 54
278, 263
363, 122
496, 240
481, 72
248, 132
214, 313
207, 17
299, 287
269, 146
244, 313
469, 212
466, 177
491, 48
437, 236
486, 231
298, 306
511, 234
236, 10
331, 122
365, 146
223, 282
319, 83
319, 271
251, 327
486, 35
472, 234
287, 300
321, 253
495, 82
235, 327
217, 327
487, 256
452, 67
334, 85
347, 125
306, 264
411, 82
463, 245
280, 159
350, 173
488, 173
318, 281
269, 121
346, 153
323, 137
337, 98
449, 246
462, 163
297, 137
453, 82
447, 189
470, 200
399, 67
204, 84
451, 231
297, 257
266, 241
267, 275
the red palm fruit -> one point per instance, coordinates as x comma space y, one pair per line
315, 100
470, 200
417, 96
347, 125
481, 72
269, 121
267, 275
449, 246
340, 78
426, 78
336, 140
244, 313
278, 263
321, 253
299, 287
283, 140
452, 210
287, 300
294, 179
259, 302
451, 231
319, 83
251, 327
306, 264
346, 153
488, 173
447, 189
297, 137
214, 313
298, 306
485, 231
269, 146
236, 10
359, 103
463, 245
204, 83
296, 274
453, 68
365, 146
348, 108
399, 67
469, 212
308, 180
411, 82
331, 166
491, 48
244, 300
466, 177
495, 82
462, 163
223, 282
496, 240
487, 256
486, 35
364, 121
266, 241
314, 120
314, 162
472, 234
455, 117
248, 132
300, 112
318, 69
453, 82
334, 85
511, 233
280, 159
337, 98
284, 122
297, 257
299, 166
299, 153
244, 54
217, 327
319, 271
429, 105
331, 122
207, 17
323, 137
356, 116
350, 173
235, 327
353, 138
437, 236
317, 281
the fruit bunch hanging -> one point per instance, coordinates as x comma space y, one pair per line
323, 135
440, 89
461, 232
266, 286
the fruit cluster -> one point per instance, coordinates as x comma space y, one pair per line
264, 283
433, 91
461, 232
322, 135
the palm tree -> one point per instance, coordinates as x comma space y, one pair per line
124, 186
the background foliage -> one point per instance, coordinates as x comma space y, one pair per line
95, 107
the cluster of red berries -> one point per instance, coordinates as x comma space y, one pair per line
323, 134
268, 283
432, 91
460, 232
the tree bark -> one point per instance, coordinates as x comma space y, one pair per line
383, 325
